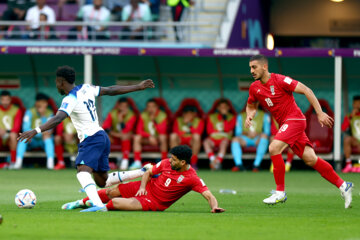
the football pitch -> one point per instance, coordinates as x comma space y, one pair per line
314, 210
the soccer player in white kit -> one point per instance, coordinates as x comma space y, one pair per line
94, 147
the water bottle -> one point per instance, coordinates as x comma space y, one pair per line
227, 191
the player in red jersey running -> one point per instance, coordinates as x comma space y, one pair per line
274, 92
177, 178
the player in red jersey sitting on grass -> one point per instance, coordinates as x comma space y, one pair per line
274, 92
177, 178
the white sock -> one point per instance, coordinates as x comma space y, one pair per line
343, 187
212, 158
89, 186
220, 155
118, 177
50, 163
18, 163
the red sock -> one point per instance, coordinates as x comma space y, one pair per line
137, 156
110, 205
59, 150
13, 156
279, 171
194, 160
290, 157
211, 155
102, 194
327, 172
220, 159
164, 155
125, 147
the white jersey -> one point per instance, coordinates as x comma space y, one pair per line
79, 104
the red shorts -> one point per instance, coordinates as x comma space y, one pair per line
292, 132
217, 141
128, 190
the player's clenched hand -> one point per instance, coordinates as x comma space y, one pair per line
148, 83
217, 210
28, 135
325, 119
248, 122
141, 192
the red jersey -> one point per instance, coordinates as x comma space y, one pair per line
276, 96
172, 185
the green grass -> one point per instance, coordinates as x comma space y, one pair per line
314, 210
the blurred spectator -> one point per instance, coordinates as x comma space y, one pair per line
290, 153
119, 124
43, 32
177, 9
34, 18
33, 118
220, 126
93, 13
66, 137
116, 7
10, 124
255, 136
151, 129
135, 12
187, 129
16, 11
351, 129
154, 8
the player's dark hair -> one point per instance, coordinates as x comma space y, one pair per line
190, 108
5, 93
356, 98
182, 152
122, 99
223, 100
41, 96
152, 100
66, 72
259, 57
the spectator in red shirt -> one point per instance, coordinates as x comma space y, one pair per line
187, 129
10, 124
119, 124
151, 129
351, 129
220, 126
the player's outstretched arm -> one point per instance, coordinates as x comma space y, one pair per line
118, 90
250, 114
144, 181
323, 118
51, 123
212, 202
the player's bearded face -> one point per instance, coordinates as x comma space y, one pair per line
59, 83
175, 163
257, 70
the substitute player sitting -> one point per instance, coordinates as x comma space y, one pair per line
176, 179
274, 92
94, 147
255, 136
187, 129
119, 124
220, 126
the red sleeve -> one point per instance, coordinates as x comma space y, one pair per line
346, 124
252, 98
159, 167
176, 128
200, 128
162, 127
199, 185
230, 125
140, 128
209, 127
59, 129
287, 83
129, 126
108, 122
17, 122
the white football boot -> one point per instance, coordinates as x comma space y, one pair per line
346, 193
276, 197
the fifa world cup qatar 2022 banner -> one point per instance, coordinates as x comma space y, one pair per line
251, 25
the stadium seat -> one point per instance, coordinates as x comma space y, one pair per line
189, 102
117, 147
68, 12
163, 106
320, 137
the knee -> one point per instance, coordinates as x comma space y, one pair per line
58, 140
273, 149
173, 137
137, 138
162, 138
196, 137
112, 192
263, 135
